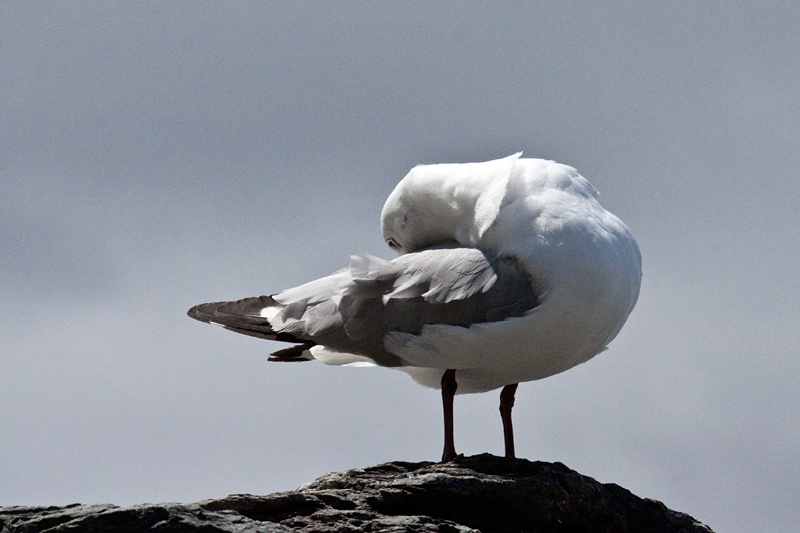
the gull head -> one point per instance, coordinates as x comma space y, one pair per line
446, 204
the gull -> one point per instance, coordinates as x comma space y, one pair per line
508, 271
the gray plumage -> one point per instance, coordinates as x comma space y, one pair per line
354, 309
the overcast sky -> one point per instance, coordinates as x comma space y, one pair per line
155, 155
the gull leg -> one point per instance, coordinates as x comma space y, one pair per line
449, 387
506, 403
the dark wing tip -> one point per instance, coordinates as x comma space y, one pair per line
204, 312
242, 316
246, 309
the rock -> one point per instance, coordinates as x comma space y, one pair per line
480, 493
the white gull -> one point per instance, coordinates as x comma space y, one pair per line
509, 271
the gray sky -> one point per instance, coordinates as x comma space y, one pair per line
158, 155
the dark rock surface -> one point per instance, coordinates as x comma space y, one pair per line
481, 493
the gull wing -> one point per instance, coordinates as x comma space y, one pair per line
352, 311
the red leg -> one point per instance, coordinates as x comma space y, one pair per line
449, 387
506, 403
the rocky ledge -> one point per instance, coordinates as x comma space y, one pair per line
480, 493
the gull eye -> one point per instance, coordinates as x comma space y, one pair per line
392, 244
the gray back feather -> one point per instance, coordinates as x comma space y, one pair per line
458, 287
